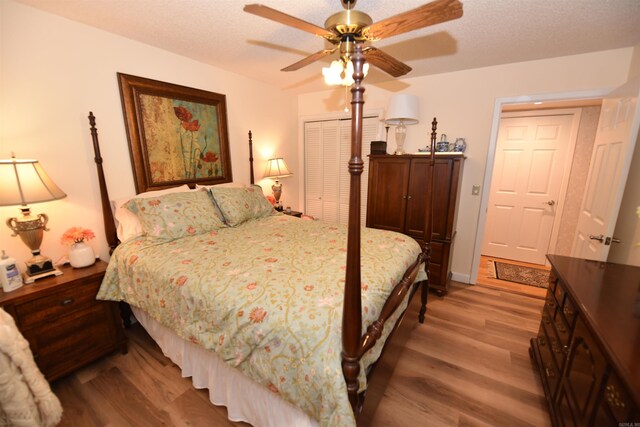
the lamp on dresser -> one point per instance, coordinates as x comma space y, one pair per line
25, 182
277, 168
402, 110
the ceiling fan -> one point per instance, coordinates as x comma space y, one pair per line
344, 29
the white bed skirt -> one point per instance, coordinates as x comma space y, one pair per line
245, 399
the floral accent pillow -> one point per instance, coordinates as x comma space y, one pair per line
176, 215
241, 204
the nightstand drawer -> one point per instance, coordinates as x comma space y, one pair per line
64, 323
61, 303
72, 341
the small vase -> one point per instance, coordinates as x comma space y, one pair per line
81, 255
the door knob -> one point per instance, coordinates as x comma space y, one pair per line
550, 203
599, 238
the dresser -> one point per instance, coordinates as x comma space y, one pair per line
587, 350
398, 200
64, 323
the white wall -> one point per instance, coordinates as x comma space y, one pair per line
53, 71
463, 103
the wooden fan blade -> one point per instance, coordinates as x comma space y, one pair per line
309, 59
283, 18
429, 14
385, 62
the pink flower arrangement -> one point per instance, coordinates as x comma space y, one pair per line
76, 235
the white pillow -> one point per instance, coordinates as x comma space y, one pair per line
224, 185
128, 225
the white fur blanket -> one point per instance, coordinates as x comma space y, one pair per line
25, 396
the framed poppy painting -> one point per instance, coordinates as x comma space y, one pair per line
177, 135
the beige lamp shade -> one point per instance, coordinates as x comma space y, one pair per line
402, 110
25, 182
277, 168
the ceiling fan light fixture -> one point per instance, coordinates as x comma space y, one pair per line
340, 73
333, 73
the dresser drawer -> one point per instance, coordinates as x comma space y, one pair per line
436, 253
616, 406
62, 303
549, 371
568, 311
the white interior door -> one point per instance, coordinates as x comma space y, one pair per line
613, 149
530, 163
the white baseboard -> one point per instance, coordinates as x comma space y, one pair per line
459, 277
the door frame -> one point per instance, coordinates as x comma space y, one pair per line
491, 153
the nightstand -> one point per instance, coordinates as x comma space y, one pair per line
64, 323
293, 213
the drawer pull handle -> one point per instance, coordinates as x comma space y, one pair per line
67, 301
549, 371
561, 327
613, 397
568, 311
541, 341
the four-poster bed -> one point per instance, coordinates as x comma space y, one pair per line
397, 259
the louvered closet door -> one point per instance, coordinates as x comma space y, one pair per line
313, 169
321, 170
327, 153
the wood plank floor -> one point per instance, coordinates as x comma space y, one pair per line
468, 365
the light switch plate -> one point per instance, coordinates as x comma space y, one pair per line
475, 190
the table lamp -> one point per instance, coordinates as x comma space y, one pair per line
25, 182
277, 168
401, 111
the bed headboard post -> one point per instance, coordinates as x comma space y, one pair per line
107, 214
251, 158
352, 308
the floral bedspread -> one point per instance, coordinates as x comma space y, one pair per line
267, 297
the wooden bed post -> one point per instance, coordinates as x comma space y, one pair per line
352, 308
251, 158
107, 214
428, 227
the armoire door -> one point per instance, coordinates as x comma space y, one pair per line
417, 198
388, 180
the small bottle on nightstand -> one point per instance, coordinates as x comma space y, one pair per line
9, 274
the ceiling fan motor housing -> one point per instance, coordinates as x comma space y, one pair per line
348, 22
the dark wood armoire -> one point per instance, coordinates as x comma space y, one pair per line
398, 200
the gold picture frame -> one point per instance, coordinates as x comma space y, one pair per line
177, 134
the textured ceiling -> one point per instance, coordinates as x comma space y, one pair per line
491, 32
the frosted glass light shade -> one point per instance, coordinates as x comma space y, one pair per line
341, 74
